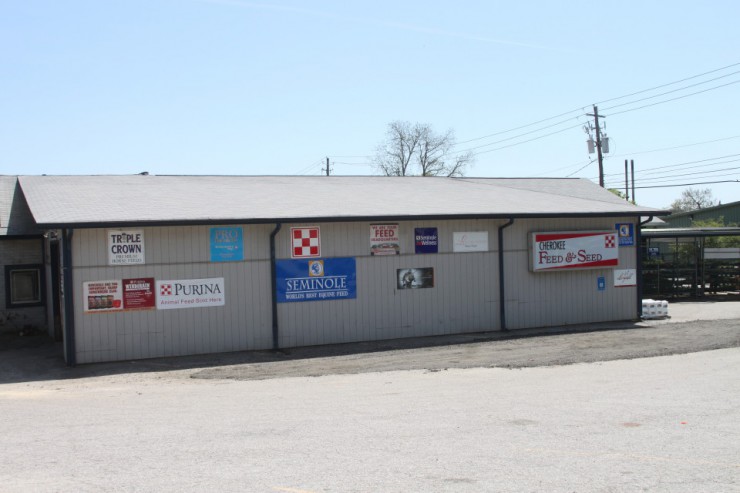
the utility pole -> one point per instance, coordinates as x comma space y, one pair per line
626, 182
327, 169
632, 172
598, 145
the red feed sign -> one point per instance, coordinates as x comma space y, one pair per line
138, 293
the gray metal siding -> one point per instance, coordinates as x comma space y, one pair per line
564, 297
175, 253
465, 297
461, 301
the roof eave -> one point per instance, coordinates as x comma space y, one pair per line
334, 219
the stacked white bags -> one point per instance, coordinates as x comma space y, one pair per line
654, 308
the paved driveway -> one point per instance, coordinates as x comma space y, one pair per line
665, 423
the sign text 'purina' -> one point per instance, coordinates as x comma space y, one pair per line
190, 293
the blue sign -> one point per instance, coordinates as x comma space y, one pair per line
601, 283
227, 244
316, 279
426, 240
626, 234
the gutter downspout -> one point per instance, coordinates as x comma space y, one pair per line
638, 242
273, 282
70, 354
501, 283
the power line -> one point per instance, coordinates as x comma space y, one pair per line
669, 84
308, 168
677, 177
579, 163
521, 127
671, 91
704, 174
580, 169
568, 128
652, 169
528, 140
520, 135
676, 98
474, 149
691, 184
675, 147
582, 108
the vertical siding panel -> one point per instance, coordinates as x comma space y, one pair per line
465, 296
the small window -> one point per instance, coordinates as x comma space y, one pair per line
23, 285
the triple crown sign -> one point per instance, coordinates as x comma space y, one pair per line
305, 242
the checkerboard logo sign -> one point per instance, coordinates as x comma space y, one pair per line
165, 290
305, 242
610, 241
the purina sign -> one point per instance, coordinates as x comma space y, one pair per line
305, 242
574, 250
190, 293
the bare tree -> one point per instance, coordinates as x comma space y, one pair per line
414, 149
693, 199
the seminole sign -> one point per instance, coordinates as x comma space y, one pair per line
574, 250
316, 280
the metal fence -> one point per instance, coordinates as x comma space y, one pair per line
678, 267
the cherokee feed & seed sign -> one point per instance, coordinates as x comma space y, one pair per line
574, 250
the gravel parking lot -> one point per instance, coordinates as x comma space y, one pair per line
553, 411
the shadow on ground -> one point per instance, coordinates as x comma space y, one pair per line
37, 357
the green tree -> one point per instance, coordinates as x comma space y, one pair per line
693, 199
718, 241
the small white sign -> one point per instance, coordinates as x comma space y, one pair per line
472, 241
722, 253
625, 277
190, 293
125, 247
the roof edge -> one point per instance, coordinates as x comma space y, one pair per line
352, 219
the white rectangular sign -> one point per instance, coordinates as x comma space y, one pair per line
190, 293
721, 253
574, 250
125, 246
384, 239
472, 241
625, 277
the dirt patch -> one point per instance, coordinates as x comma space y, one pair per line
39, 358
552, 349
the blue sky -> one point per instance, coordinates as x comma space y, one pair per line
239, 87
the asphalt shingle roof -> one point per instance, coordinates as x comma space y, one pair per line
141, 199
15, 218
